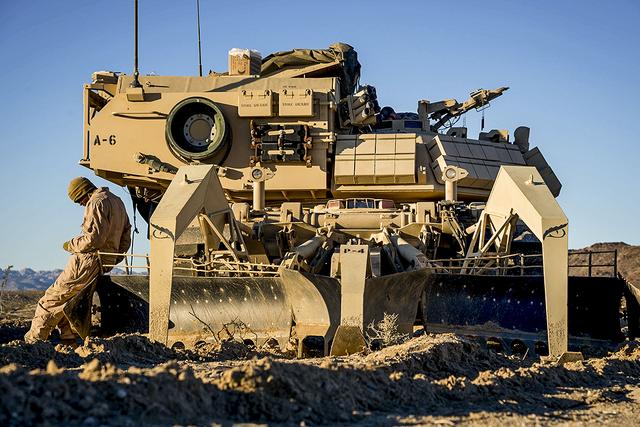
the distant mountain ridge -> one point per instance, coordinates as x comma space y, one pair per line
30, 280
628, 266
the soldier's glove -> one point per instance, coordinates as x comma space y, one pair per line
65, 246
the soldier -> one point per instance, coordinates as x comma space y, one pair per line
105, 228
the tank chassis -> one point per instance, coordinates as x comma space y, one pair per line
284, 204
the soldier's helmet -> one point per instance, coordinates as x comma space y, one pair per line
79, 187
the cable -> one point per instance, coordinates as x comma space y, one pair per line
450, 123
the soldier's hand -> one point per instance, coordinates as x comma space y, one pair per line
65, 246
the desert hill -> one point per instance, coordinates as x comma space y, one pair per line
628, 260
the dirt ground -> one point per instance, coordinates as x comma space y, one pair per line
429, 380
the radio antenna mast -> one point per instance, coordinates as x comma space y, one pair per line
199, 45
135, 82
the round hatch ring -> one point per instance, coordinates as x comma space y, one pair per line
196, 129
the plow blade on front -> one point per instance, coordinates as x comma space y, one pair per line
509, 311
325, 316
202, 308
308, 307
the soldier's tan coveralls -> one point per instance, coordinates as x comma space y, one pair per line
105, 228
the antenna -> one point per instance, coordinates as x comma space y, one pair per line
199, 45
135, 82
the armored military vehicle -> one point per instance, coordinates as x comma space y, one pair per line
285, 205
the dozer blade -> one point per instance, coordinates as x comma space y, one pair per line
397, 295
315, 304
349, 339
511, 309
261, 309
202, 308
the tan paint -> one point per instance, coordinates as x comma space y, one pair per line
195, 190
125, 141
521, 190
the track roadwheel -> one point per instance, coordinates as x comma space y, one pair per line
197, 130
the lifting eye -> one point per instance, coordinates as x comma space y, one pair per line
256, 174
196, 129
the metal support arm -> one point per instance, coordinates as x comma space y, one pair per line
521, 190
195, 190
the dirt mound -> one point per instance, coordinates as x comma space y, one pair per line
435, 355
126, 350
11, 330
231, 349
37, 355
137, 350
122, 350
428, 376
102, 394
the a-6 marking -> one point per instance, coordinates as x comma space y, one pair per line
111, 140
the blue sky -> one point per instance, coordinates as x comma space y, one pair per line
573, 68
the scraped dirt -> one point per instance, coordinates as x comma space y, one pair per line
430, 379
16, 309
